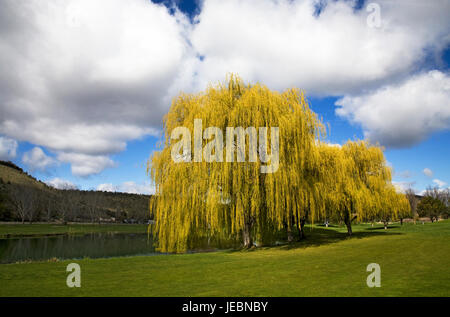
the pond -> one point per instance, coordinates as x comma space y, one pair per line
93, 245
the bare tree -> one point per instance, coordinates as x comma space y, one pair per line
69, 205
444, 196
24, 199
93, 201
49, 206
413, 201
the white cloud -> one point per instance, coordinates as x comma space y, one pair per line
127, 187
403, 186
422, 192
82, 78
8, 148
428, 172
36, 159
283, 44
439, 183
134, 188
107, 187
84, 165
86, 77
404, 114
61, 183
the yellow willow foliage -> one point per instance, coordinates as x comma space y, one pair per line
195, 200
223, 200
356, 182
393, 205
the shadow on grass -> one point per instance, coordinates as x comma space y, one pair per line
381, 228
320, 236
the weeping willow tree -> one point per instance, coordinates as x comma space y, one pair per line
356, 184
370, 175
247, 191
382, 201
240, 162
393, 205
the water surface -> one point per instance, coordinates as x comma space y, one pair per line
93, 245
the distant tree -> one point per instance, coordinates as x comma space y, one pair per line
443, 195
5, 213
12, 165
74, 204
24, 200
49, 206
431, 207
69, 205
92, 205
413, 201
445, 198
356, 184
61, 207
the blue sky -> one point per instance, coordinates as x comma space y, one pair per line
86, 109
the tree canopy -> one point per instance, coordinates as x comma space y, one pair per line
233, 195
431, 207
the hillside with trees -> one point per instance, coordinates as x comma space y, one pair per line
26, 199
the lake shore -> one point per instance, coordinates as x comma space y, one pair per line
47, 229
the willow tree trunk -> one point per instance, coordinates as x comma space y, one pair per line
290, 237
348, 223
301, 228
247, 235
289, 228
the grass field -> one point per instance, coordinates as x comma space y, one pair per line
414, 260
49, 229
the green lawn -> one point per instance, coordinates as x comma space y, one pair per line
414, 260
48, 229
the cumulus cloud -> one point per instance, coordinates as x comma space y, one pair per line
428, 172
84, 165
284, 43
36, 159
59, 183
82, 78
107, 187
127, 187
422, 100
8, 148
403, 186
85, 77
439, 183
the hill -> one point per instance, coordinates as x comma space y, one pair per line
11, 173
24, 198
